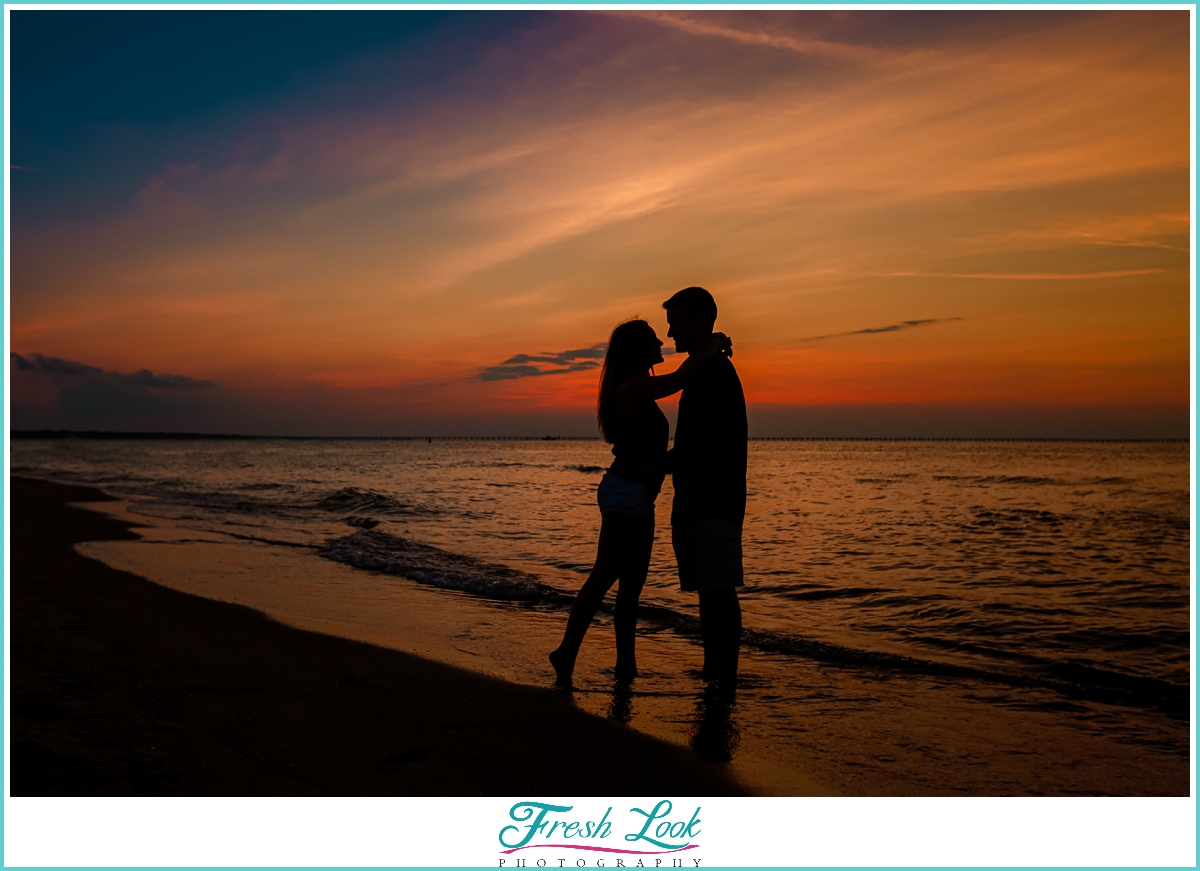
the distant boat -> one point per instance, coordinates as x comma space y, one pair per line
550, 438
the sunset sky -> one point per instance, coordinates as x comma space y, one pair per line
426, 223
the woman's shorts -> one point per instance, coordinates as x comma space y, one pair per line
624, 496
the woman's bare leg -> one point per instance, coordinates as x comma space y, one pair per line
619, 553
640, 540
604, 574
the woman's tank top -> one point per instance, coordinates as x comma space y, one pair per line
643, 432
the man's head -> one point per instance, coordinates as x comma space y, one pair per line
691, 314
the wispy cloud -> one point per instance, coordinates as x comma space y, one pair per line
710, 25
547, 363
890, 328
1025, 276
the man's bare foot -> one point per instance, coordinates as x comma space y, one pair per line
625, 672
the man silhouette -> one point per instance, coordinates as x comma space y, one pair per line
708, 468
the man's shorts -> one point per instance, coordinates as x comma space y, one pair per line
709, 554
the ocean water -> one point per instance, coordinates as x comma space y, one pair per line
920, 617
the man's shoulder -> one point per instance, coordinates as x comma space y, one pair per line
716, 368
721, 371
716, 382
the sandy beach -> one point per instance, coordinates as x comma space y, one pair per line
123, 687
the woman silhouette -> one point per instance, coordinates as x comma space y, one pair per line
631, 421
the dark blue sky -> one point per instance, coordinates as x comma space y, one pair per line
104, 94
98, 96
72, 68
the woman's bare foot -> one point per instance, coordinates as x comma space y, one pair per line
562, 668
625, 672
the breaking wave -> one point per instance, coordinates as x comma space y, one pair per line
425, 564
360, 502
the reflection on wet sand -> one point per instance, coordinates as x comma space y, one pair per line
715, 734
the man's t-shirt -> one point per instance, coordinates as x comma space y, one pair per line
708, 461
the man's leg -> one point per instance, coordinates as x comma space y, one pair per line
733, 637
710, 634
682, 544
721, 628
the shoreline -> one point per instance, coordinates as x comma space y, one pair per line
120, 686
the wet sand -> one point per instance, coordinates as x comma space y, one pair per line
124, 687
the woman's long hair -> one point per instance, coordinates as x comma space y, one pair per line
625, 358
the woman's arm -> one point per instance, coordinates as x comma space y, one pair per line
636, 467
658, 386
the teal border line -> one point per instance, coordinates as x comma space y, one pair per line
999, 4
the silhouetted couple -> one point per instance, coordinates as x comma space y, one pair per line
708, 469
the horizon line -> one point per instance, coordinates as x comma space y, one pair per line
185, 436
